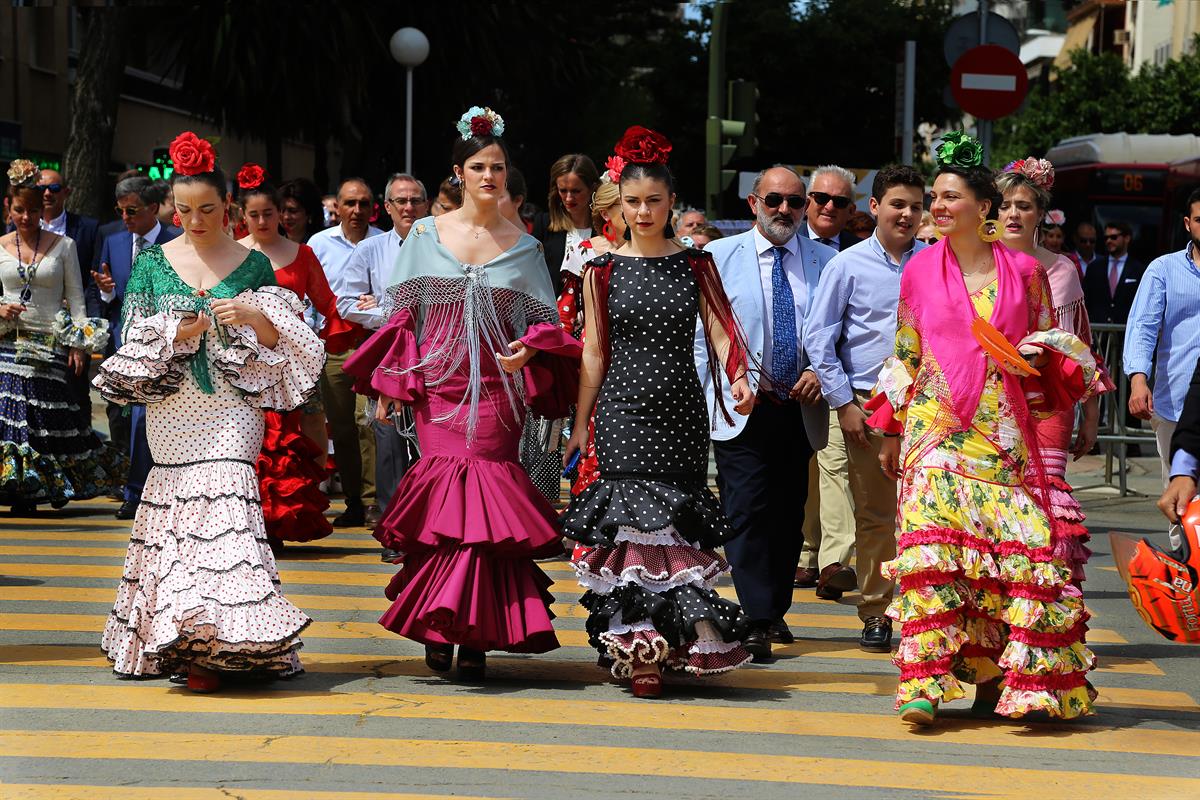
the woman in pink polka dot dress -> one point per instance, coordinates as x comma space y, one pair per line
210, 342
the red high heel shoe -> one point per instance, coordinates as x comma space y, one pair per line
203, 684
647, 686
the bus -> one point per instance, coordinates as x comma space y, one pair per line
1141, 179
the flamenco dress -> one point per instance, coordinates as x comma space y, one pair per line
200, 584
649, 518
570, 303
985, 593
466, 514
48, 450
1054, 430
289, 478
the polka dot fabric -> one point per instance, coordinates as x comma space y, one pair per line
200, 585
650, 515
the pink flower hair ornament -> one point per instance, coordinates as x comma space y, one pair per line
1039, 171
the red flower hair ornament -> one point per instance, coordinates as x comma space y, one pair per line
641, 145
192, 155
251, 176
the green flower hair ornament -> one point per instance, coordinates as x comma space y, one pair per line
959, 150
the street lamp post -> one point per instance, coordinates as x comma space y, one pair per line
410, 48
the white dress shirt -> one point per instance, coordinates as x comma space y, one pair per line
57, 225
333, 250
793, 267
832, 241
367, 272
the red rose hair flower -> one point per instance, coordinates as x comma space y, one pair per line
251, 176
641, 145
481, 126
192, 155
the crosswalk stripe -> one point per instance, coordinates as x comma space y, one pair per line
588, 713
568, 638
502, 667
42, 791
600, 760
325, 602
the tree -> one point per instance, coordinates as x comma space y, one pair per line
95, 95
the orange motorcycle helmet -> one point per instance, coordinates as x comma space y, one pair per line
1165, 586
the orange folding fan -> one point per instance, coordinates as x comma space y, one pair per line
999, 348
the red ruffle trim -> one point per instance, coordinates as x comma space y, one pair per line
1044, 682
1050, 640
949, 536
289, 482
883, 417
925, 669
932, 622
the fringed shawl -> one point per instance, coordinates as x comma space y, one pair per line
476, 310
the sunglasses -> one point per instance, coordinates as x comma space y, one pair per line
128, 211
840, 201
775, 200
53, 188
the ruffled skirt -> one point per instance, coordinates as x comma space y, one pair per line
650, 576
48, 451
200, 584
470, 529
985, 593
289, 482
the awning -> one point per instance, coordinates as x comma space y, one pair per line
1078, 35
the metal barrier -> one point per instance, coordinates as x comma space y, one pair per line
1108, 342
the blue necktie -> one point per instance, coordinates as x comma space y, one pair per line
784, 358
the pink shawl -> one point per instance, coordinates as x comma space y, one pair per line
932, 286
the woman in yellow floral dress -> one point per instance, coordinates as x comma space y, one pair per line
983, 599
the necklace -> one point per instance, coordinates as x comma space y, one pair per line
27, 275
476, 233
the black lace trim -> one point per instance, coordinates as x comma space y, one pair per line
213, 497
205, 461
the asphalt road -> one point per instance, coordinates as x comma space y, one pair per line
369, 721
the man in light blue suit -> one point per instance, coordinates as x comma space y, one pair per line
137, 202
770, 274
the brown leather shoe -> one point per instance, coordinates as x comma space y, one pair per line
372, 515
834, 581
806, 577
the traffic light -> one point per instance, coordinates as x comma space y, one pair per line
741, 128
162, 167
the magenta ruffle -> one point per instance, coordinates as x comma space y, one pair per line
383, 364
455, 595
551, 376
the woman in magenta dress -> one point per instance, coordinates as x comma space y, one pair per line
291, 465
472, 341
1026, 185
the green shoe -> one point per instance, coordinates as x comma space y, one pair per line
918, 712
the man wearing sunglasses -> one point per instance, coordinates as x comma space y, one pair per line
830, 204
56, 219
137, 208
1085, 244
1112, 279
770, 273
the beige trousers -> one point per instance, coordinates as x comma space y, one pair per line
353, 443
829, 512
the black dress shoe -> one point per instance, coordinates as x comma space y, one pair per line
372, 515
779, 633
353, 517
806, 577
876, 635
128, 509
758, 643
390, 556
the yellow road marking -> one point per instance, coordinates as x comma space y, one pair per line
568, 638
66, 542
533, 669
512, 756
518, 710
41, 791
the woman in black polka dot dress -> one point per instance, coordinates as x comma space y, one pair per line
650, 517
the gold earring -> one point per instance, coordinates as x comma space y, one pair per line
988, 230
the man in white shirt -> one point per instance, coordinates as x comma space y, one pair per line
364, 279
353, 444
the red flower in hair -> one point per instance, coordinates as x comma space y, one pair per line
641, 145
481, 126
192, 155
250, 176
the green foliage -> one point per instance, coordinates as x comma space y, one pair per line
1098, 94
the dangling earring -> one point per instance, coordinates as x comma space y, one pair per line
988, 230
628, 230
668, 231
178, 222
608, 232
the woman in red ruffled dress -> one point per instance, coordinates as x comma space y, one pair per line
292, 463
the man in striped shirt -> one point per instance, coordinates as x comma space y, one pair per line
1163, 335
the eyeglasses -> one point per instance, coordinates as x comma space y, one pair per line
840, 201
406, 201
775, 200
128, 211
52, 188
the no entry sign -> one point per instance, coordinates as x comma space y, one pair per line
989, 82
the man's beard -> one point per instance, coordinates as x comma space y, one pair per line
778, 228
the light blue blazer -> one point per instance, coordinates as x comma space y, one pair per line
737, 262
